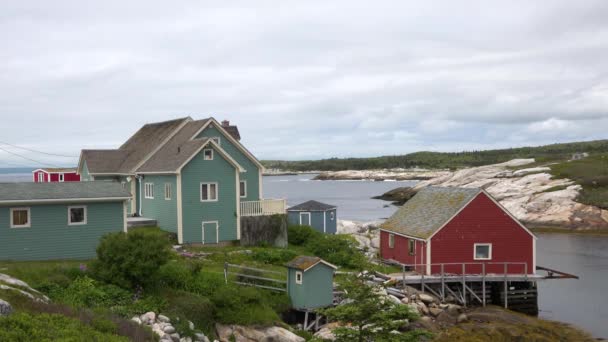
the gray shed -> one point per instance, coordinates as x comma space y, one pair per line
320, 216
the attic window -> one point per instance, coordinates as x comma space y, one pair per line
299, 277
208, 154
483, 251
216, 140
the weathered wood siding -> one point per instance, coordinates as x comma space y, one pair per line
482, 221
251, 175
50, 237
194, 212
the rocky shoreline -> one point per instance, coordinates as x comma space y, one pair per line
381, 175
532, 195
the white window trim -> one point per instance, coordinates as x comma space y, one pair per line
217, 231
217, 192
411, 251
40, 177
300, 275
168, 191
29, 218
205, 151
489, 251
244, 182
217, 140
149, 190
391, 240
61, 177
332, 215
309, 218
70, 223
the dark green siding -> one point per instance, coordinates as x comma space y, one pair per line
251, 175
316, 290
162, 210
194, 212
50, 237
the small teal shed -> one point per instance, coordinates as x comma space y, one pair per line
320, 216
51, 221
310, 283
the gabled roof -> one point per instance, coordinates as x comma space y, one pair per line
233, 131
104, 161
429, 210
304, 263
58, 192
311, 206
57, 169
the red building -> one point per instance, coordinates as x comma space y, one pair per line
56, 175
448, 227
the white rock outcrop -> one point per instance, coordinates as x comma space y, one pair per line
227, 333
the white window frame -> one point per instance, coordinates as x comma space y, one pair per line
391, 240
61, 177
482, 244
70, 223
41, 177
245, 188
332, 215
217, 191
149, 190
299, 277
205, 155
29, 218
309, 218
411, 243
168, 191
217, 140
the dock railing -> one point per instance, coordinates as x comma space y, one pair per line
458, 272
263, 207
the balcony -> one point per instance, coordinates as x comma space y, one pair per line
263, 207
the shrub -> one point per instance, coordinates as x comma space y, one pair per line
207, 282
274, 256
300, 235
245, 305
177, 275
131, 260
85, 292
338, 250
189, 306
52, 327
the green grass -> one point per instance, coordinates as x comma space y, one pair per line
591, 173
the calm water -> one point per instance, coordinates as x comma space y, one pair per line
582, 302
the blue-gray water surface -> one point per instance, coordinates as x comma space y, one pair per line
581, 302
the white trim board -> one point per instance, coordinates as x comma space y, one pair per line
85, 214
309, 218
402, 235
220, 150
217, 230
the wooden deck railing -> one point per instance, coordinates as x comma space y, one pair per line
263, 207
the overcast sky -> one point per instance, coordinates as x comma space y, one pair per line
305, 79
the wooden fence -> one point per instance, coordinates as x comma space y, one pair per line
256, 277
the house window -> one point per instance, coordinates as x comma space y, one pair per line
61, 177
216, 140
20, 218
299, 277
332, 216
168, 192
243, 189
411, 246
208, 192
149, 190
483, 251
208, 154
391, 240
77, 215
40, 177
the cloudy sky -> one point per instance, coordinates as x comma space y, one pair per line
305, 79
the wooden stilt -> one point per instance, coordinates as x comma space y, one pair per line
506, 288
306, 320
483, 283
464, 287
442, 284
316, 321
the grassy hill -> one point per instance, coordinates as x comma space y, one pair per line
445, 160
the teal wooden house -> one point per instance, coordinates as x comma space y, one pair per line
52, 221
320, 216
310, 283
194, 177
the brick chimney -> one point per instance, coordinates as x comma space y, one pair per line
225, 123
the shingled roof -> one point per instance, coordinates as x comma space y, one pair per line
304, 263
430, 209
32, 192
312, 206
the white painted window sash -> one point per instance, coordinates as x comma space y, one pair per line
29, 218
84, 209
243, 187
299, 277
208, 154
168, 191
209, 191
489, 245
149, 190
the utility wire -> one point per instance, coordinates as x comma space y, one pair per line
36, 151
35, 161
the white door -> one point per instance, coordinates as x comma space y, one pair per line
211, 232
305, 219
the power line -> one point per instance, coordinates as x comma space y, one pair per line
20, 156
36, 151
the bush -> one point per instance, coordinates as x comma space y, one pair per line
189, 306
131, 260
274, 256
300, 235
246, 305
52, 327
338, 250
177, 275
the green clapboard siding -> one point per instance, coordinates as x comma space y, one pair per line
162, 210
316, 290
194, 212
251, 175
50, 238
